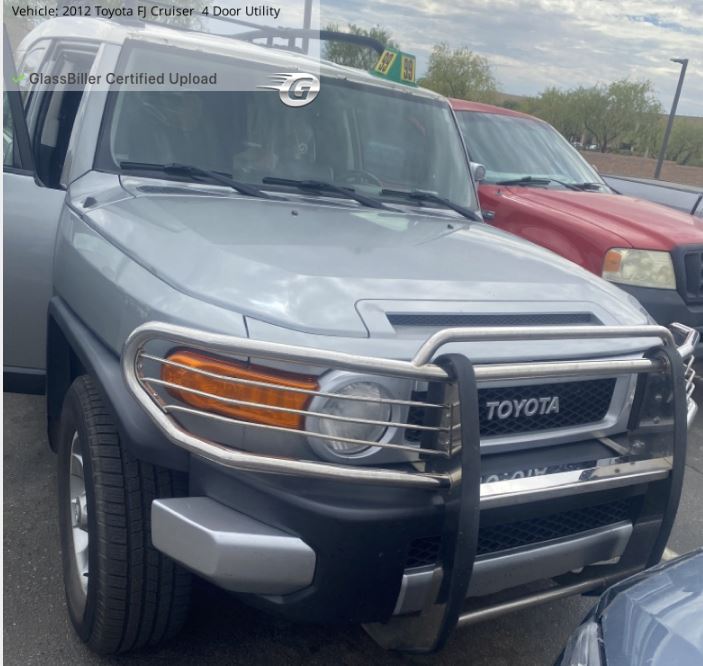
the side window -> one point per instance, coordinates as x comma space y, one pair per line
8, 133
57, 109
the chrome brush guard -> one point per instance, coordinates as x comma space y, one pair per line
441, 435
447, 457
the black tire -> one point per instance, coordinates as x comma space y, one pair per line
135, 596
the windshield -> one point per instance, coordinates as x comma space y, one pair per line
512, 148
366, 137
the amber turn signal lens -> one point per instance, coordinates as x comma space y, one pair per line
263, 395
612, 261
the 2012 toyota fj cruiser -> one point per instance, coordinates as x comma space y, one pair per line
281, 351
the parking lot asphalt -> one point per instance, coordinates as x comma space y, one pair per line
220, 629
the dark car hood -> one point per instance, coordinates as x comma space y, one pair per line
305, 264
636, 222
658, 620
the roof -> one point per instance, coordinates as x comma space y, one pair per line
116, 32
478, 107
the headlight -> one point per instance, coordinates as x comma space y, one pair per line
372, 411
362, 412
640, 268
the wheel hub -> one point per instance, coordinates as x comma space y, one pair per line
79, 513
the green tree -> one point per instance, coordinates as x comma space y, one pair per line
511, 104
646, 137
352, 55
620, 112
557, 107
460, 73
686, 142
635, 104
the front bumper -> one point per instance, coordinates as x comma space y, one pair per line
519, 566
229, 548
364, 558
348, 532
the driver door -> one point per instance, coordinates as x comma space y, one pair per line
31, 214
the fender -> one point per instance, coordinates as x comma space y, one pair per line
138, 433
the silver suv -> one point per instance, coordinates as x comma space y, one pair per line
281, 351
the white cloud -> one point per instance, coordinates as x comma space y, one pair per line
533, 44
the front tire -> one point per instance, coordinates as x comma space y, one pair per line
122, 594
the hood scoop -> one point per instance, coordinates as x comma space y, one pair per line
421, 321
175, 189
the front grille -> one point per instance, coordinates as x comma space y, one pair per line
532, 408
579, 403
693, 275
423, 551
510, 319
497, 538
513, 410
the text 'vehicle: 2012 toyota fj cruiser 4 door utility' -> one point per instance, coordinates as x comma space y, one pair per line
298, 364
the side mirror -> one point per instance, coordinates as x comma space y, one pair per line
478, 172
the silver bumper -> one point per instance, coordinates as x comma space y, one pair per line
514, 568
230, 549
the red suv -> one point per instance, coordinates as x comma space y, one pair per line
536, 185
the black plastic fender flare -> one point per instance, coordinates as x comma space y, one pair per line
138, 432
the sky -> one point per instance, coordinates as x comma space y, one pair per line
533, 44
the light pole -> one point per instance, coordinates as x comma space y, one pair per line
662, 154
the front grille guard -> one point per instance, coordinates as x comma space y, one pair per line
441, 433
453, 470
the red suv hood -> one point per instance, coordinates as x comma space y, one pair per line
640, 223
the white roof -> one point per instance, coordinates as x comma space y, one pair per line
115, 32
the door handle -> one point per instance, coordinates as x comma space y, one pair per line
488, 215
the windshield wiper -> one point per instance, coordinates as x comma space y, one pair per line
531, 180
176, 169
324, 186
590, 187
431, 197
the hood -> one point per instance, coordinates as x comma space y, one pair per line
633, 222
306, 263
656, 620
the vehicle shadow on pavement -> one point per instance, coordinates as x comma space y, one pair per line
220, 630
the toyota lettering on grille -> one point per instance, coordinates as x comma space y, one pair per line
506, 409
